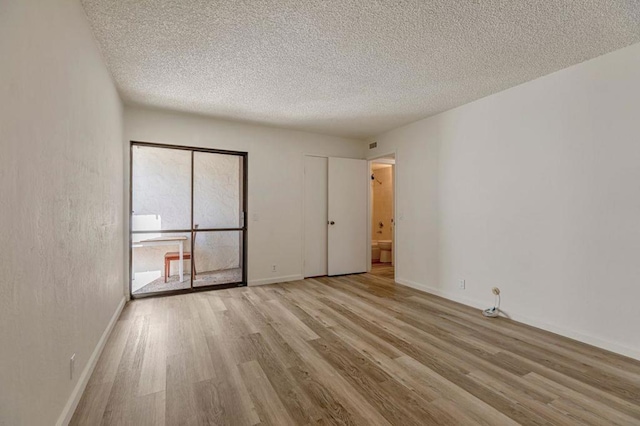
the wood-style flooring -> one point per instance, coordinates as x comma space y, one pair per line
347, 350
384, 270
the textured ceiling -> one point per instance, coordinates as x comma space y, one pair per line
352, 67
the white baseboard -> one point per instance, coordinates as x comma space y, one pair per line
446, 295
590, 340
74, 399
274, 280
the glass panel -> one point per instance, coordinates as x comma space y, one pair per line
156, 262
217, 258
161, 185
217, 190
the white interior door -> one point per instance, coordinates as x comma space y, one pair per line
347, 228
315, 216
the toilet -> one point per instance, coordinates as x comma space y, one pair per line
386, 251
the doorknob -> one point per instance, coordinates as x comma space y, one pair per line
332, 223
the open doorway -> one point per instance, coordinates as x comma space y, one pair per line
381, 216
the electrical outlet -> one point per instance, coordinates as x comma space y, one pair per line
72, 366
274, 268
462, 285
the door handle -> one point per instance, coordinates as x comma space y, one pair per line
332, 223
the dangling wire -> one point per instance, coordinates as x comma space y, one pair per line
495, 311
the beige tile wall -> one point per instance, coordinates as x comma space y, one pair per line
382, 204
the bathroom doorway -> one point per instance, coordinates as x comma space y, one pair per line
382, 216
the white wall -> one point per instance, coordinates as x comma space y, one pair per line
61, 177
275, 178
536, 190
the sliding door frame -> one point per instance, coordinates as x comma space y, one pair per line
192, 231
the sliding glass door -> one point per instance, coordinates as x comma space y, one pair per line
188, 225
218, 215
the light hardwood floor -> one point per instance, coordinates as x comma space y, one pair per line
348, 350
384, 270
